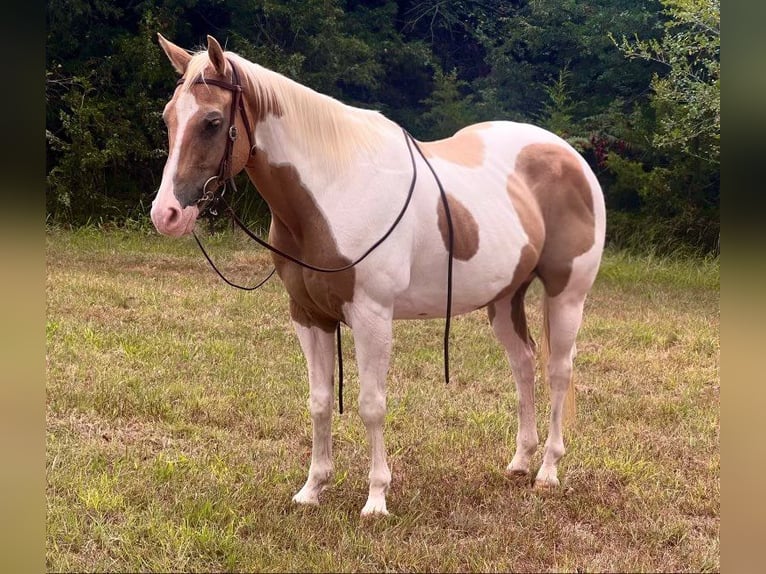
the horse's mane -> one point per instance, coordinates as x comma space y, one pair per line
326, 127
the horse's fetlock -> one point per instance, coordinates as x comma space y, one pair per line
528, 445
555, 451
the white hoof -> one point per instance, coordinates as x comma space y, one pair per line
307, 497
375, 508
517, 467
546, 480
517, 475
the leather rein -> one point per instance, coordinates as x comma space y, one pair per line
212, 199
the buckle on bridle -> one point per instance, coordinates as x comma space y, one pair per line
233, 133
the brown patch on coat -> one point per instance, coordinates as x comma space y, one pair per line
464, 226
522, 278
556, 179
528, 211
531, 219
300, 229
465, 148
519, 314
523, 273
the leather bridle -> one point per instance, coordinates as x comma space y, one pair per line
215, 186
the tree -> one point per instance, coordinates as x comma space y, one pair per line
449, 110
674, 182
687, 99
533, 41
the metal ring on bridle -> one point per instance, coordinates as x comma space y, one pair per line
208, 194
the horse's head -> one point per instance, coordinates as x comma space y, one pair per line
198, 119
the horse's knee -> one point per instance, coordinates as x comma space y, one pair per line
523, 367
320, 405
372, 407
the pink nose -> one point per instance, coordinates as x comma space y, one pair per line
169, 217
169, 220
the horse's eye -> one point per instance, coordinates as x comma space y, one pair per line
214, 123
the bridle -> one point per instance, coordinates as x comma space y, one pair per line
215, 186
212, 198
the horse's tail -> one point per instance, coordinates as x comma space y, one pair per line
570, 410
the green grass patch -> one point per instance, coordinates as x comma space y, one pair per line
178, 426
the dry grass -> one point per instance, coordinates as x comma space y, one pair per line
178, 428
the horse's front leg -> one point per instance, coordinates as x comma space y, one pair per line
372, 339
318, 344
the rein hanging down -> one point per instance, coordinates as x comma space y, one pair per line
212, 199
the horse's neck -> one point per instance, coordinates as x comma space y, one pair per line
281, 168
285, 172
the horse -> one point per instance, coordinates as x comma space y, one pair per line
517, 203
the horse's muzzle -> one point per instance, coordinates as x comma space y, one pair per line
170, 218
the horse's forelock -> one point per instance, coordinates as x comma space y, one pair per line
196, 69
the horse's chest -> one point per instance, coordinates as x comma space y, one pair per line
320, 295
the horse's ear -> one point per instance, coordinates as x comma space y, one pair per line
215, 53
177, 55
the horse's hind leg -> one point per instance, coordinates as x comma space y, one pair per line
564, 315
509, 322
318, 344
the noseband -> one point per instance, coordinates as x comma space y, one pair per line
215, 186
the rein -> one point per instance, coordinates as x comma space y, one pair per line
211, 200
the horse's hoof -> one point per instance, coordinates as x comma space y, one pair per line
546, 485
305, 499
517, 476
374, 509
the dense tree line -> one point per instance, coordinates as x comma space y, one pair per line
633, 84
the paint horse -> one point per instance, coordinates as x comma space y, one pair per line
521, 202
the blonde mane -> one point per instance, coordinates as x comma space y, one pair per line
327, 128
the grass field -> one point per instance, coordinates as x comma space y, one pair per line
178, 427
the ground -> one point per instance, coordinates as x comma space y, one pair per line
178, 426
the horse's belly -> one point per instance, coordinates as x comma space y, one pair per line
474, 285
483, 267
435, 307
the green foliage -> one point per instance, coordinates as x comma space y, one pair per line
532, 42
634, 110
676, 179
687, 98
558, 111
105, 142
449, 110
